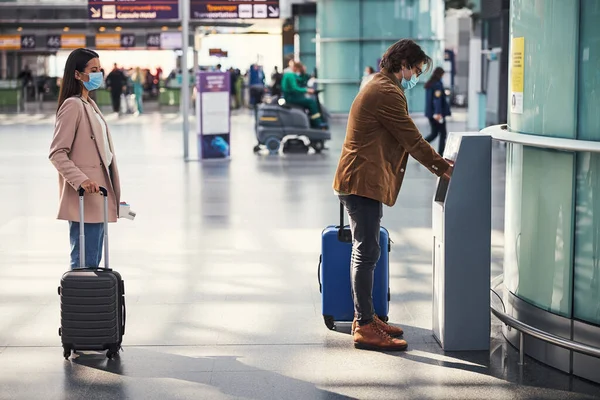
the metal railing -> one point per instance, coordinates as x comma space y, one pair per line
532, 331
502, 134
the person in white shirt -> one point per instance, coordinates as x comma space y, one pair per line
367, 76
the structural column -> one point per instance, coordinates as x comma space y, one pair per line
305, 16
552, 222
353, 34
3, 65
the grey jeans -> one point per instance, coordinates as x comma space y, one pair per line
365, 222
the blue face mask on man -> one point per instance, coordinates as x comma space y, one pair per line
95, 81
407, 85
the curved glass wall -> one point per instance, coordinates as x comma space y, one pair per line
587, 214
539, 211
552, 227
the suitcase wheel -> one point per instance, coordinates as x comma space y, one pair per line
329, 322
112, 352
66, 352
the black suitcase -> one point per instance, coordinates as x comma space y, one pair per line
92, 301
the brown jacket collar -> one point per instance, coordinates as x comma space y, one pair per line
392, 77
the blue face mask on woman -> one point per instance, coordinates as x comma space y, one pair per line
95, 81
407, 85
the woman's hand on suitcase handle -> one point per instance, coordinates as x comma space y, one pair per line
90, 186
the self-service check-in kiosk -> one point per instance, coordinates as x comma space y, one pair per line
462, 245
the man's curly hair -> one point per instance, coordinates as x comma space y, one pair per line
405, 53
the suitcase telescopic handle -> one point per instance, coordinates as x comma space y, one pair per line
104, 194
344, 235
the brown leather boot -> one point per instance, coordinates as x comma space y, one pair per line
372, 337
393, 331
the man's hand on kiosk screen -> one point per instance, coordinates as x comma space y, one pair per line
448, 173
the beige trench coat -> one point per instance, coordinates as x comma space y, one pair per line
77, 152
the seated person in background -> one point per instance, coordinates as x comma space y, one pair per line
294, 94
302, 77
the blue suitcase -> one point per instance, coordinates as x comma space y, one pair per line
334, 275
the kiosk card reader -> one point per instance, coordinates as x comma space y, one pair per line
462, 245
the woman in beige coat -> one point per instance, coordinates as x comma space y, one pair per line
82, 152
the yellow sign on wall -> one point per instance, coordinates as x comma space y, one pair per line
72, 41
108, 41
10, 42
517, 73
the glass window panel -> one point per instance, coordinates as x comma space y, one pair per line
587, 239
550, 29
539, 204
589, 71
587, 233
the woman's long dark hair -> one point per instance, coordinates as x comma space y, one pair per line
70, 86
435, 77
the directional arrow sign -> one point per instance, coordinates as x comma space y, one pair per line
273, 12
95, 13
230, 9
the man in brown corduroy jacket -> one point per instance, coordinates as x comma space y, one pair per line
379, 138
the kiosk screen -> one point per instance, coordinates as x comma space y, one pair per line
442, 189
450, 153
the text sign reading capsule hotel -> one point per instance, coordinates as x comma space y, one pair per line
133, 9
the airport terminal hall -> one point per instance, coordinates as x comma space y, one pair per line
299, 199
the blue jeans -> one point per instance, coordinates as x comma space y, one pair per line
94, 238
365, 222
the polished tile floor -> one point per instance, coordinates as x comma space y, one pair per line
221, 277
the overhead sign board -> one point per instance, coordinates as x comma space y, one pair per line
108, 41
133, 9
28, 41
17, 42
171, 40
127, 40
234, 9
72, 41
53, 41
153, 40
115, 40
10, 42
